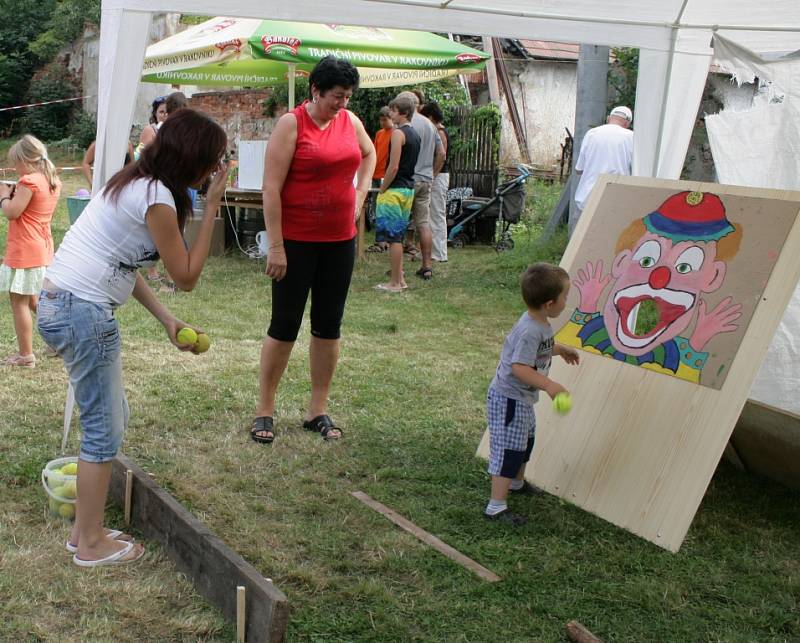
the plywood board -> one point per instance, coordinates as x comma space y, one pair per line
640, 446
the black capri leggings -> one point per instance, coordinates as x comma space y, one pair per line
324, 268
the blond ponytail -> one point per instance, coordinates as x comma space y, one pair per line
30, 151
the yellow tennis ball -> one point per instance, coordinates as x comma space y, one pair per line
187, 336
70, 489
59, 491
66, 510
70, 469
203, 343
562, 403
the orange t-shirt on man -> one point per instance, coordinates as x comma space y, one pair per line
382, 138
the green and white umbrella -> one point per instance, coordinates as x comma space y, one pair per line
241, 52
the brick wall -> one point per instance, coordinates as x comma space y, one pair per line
239, 112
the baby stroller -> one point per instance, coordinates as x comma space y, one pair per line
477, 220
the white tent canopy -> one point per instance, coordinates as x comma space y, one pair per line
674, 37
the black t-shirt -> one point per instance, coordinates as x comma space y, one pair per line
408, 158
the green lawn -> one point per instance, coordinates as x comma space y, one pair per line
410, 393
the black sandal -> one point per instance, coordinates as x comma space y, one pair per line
424, 273
323, 425
262, 424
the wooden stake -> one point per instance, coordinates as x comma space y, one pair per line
240, 614
578, 633
128, 495
427, 538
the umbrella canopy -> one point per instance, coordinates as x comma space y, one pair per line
237, 52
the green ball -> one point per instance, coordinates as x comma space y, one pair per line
202, 344
187, 336
60, 491
562, 403
70, 469
66, 510
54, 505
70, 489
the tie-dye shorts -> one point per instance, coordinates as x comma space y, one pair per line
393, 211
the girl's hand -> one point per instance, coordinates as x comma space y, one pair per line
218, 182
172, 326
5, 190
276, 262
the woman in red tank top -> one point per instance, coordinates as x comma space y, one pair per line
310, 208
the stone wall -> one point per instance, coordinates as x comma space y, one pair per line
240, 112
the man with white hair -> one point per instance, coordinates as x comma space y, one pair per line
431, 154
607, 149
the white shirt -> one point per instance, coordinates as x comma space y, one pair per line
100, 254
607, 149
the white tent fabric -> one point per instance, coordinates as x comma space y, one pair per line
761, 147
674, 36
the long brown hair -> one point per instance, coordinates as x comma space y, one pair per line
188, 147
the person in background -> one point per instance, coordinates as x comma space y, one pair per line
606, 149
441, 183
381, 142
158, 115
397, 191
430, 156
29, 208
310, 210
136, 218
88, 161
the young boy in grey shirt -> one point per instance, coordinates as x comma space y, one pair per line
521, 374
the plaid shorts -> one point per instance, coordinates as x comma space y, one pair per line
512, 429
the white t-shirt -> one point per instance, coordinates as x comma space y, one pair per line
607, 149
100, 254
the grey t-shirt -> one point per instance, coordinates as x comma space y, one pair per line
529, 342
428, 142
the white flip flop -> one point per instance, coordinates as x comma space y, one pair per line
113, 559
112, 533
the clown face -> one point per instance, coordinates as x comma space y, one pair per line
672, 276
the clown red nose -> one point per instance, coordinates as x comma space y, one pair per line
659, 278
690, 216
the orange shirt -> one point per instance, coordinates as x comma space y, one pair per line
30, 242
382, 138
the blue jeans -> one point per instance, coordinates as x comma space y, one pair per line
86, 337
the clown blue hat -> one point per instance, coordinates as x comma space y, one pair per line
690, 216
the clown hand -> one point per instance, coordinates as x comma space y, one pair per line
591, 283
719, 320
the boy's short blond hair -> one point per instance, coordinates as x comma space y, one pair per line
543, 282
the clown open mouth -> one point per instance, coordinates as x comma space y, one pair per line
670, 305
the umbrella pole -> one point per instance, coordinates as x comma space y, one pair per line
291, 86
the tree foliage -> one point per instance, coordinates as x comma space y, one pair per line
622, 77
31, 35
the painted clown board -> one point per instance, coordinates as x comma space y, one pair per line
668, 280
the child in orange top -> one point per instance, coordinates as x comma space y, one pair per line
29, 208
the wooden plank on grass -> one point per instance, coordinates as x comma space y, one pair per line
427, 538
214, 568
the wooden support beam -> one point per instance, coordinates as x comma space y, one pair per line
427, 538
214, 568
578, 633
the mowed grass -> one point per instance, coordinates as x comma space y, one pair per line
409, 392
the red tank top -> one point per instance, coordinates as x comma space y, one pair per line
318, 198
